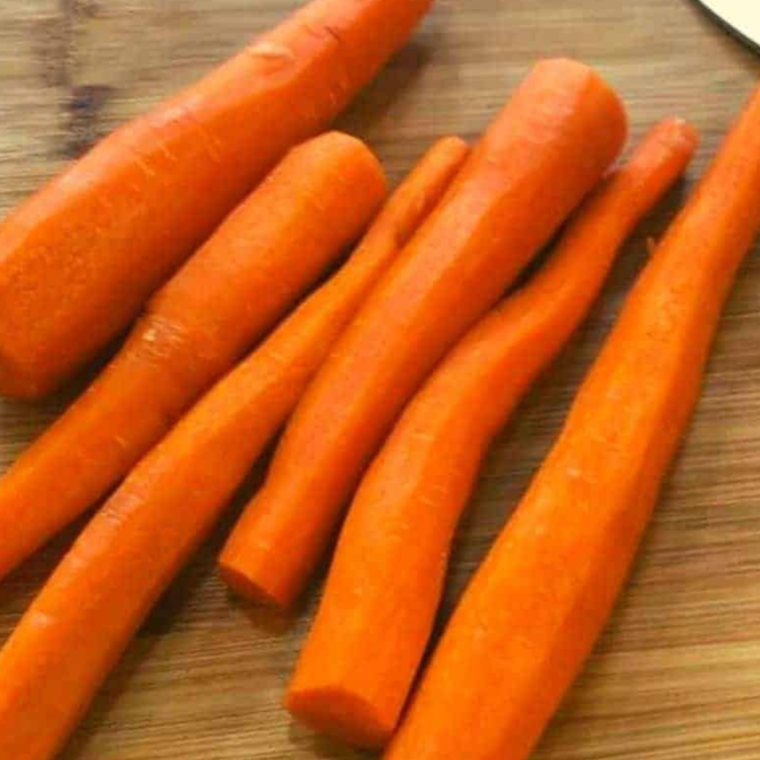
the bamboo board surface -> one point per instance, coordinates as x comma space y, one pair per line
677, 674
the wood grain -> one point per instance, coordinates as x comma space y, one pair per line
677, 675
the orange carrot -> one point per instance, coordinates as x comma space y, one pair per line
78, 260
228, 295
538, 602
544, 152
146, 531
389, 568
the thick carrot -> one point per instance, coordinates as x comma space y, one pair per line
537, 604
389, 568
78, 259
235, 288
146, 531
544, 152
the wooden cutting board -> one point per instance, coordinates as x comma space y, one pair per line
677, 675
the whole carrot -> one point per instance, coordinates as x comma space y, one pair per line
389, 568
229, 294
538, 602
79, 259
133, 548
543, 153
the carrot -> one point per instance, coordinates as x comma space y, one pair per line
79, 259
233, 290
538, 602
544, 152
389, 568
132, 549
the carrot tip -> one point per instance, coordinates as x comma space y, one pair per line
340, 714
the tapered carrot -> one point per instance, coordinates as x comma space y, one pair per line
543, 153
389, 568
538, 602
78, 259
132, 549
236, 287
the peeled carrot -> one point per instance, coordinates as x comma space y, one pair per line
544, 152
146, 531
538, 602
79, 259
389, 568
234, 289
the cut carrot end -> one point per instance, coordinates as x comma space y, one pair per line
675, 130
687, 130
242, 585
340, 714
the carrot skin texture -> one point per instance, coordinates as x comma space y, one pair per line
536, 606
389, 567
80, 257
563, 123
406, 210
268, 251
135, 545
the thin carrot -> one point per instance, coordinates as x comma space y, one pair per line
133, 548
389, 568
537, 604
79, 259
234, 289
544, 152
